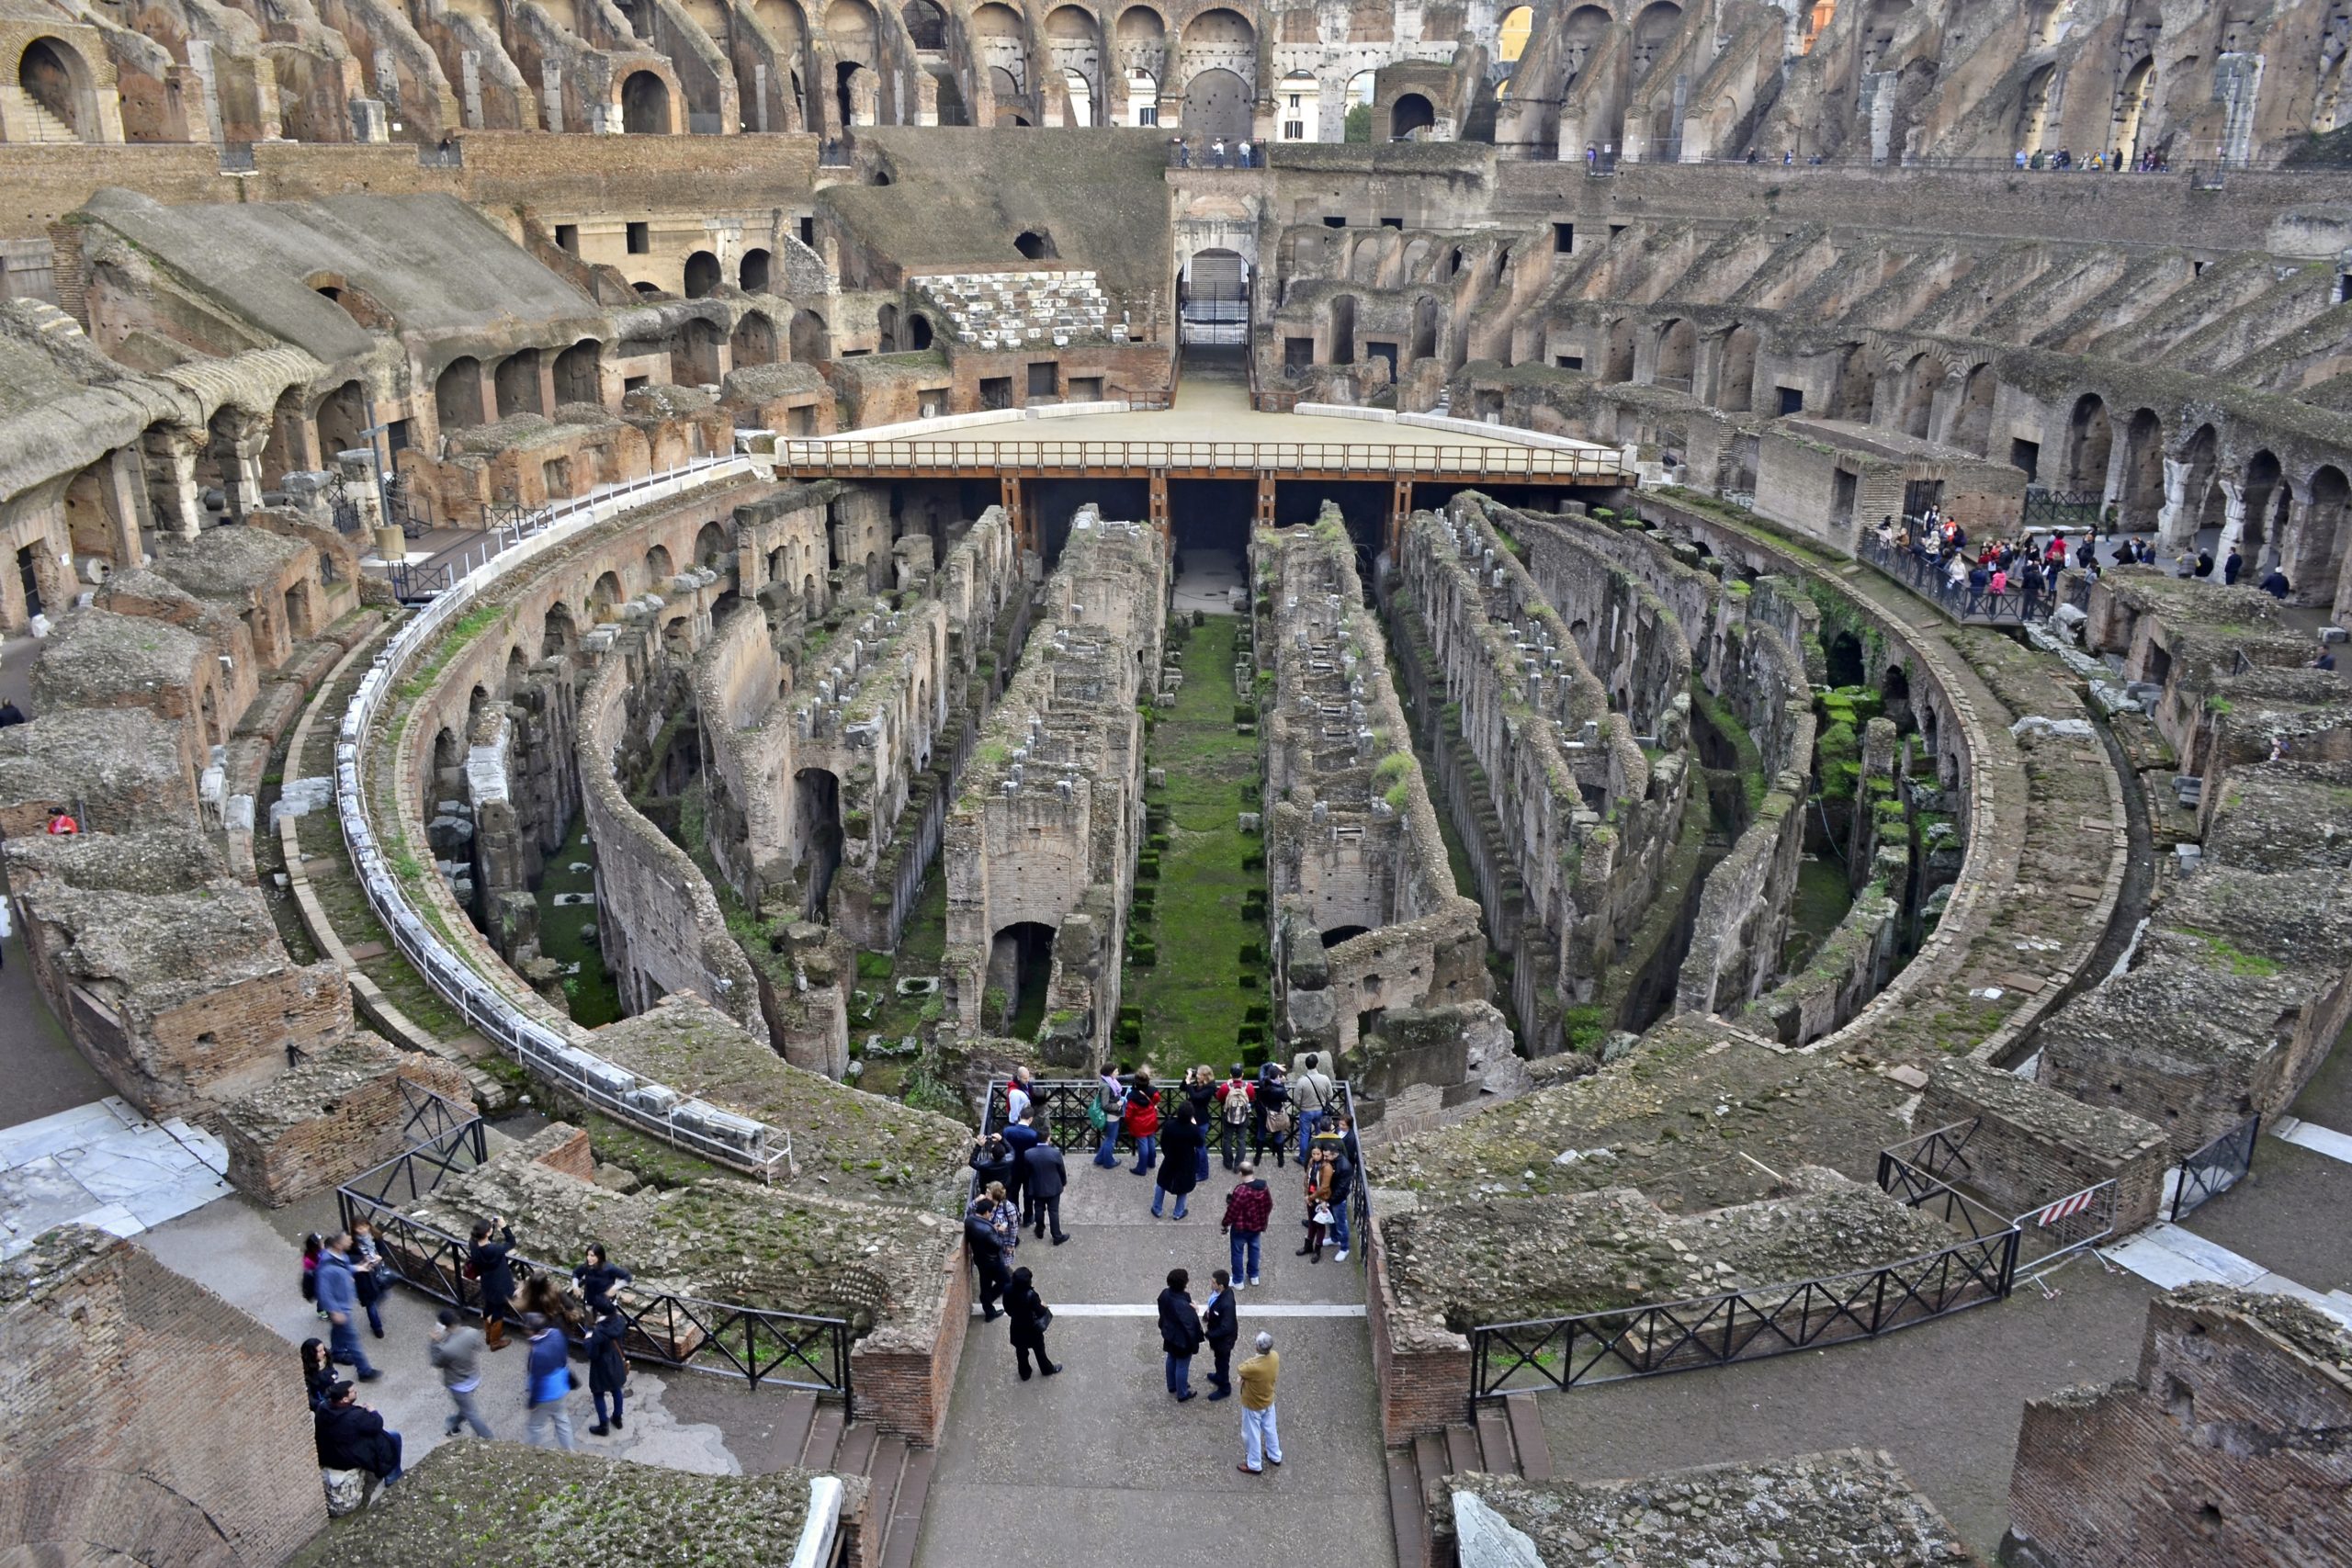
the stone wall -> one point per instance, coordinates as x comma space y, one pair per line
1051, 815
1368, 921
337, 1113
125, 1383
2225, 1447
2033, 1145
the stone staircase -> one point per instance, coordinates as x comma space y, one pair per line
816, 1435
1506, 1440
28, 121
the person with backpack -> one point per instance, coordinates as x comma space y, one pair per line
1248, 1209
1343, 1182
1271, 1105
1142, 1117
1180, 1335
1318, 1206
1236, 1105
1105, 1113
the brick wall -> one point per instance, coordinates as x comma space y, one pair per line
278, 1159
143, 1418
570, 1156
2034, 1145
903, 1387
2225, 1448
1422, 1389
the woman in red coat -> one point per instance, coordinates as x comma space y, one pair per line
1143, 1119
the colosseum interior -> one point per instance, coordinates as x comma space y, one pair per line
1675, 663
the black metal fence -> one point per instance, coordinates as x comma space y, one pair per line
1963, 601
1063, 1102
789, 1350
2067, 511
2215, 1168
1652, 1340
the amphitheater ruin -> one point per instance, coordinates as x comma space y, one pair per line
1711, 626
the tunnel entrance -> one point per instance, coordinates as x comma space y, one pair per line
816, 822
1021, 962
1055, 501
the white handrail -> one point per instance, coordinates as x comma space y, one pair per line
815, 1549
723, 1137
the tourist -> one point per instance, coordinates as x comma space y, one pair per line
1235, 1102
1104, 1114
487, 1265
1048, 1178
1318, 1206
1313, 1092
1020, 1137
1182, 155
1030, 1317
1180, 1334
1342, 1167
1216, 150
1999, 583
454, 1351
1184, 1142
607, 1368
1221, 1324
1004, 1219
2274, 582
1788, 157
1272, 1105
1241, 154
1200, 1089
1591, 157
1142, 1118
1956, 571
368, 1272
2020, 157
311, 1247
1247, 1208
62, 823
547, 1382
10, 714
991, 1161
339, 1296
2232, 564
2204, 564
2326, 660
350, 1435
540, 1295
595, 1280
1258, 1436
1017, 1097
317, 1372
988, 1254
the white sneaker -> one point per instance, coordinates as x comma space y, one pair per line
1240, 1284
1253, 1279
1343, 1255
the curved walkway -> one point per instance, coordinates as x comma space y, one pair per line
1101, 1465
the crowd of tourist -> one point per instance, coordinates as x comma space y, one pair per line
2027, 574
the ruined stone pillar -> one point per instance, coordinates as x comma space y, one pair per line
123, 494
2232, 524
171, 480
2171, 524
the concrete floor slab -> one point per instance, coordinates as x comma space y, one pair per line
104, 1165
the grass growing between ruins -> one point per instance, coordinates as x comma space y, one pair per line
892, 1018
567, 933
1191, 999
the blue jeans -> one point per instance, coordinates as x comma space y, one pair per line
1340, 1223
1201, 1165
1260, 1442
1160, 1193
1244, 1243
1179, 1375
597, 1394
1106, 1153
1147, 1152
342, 1340
1309, 1123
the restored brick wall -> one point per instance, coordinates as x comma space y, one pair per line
144, 1416
906, 1390
2225, 1448
350, 1132
1420, 1390
2034, 1145
570, 1157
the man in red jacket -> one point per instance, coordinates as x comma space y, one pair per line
1246, 1209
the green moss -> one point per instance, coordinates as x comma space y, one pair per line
2247, 966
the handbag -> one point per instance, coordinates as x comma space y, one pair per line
1322, 1214
1045, 1316
1096, 1117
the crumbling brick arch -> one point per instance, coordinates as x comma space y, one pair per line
645, 105
1972, 422
2321, 536
605, 598
2090, 439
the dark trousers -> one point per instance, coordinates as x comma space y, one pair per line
1021, 1354
371, 1295
1260, 1141
1230, 1144
1221, 1378
1044, 1211
992, 1283
597, 1390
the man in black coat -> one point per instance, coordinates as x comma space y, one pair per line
1222, 1324
487, 1260
987, 1255
1047, 1176
1180, 1334
352, 1437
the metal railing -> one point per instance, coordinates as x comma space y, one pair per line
980, 456
2057, 1230
1936, 1158
1064, 1102
431, 1116
1961, 600
723, 1137
2215, 1168
1750, 1324
789, 1349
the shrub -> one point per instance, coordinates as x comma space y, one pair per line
873, 965
1244, 712
1148, 866
1159, 840
1253, 862
1251, 953
1143, 952
1259, 1013
1250, 983
1395, 796
1249, 1034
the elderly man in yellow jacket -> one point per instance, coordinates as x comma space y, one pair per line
1258, 1434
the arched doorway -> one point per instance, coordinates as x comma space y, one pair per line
1972, 426
2143, 499
1617, 364
926, 24
702, 275
807, 334
1021, 963
1216, 297
2090, 439
917, 333
558, 635
1408, 113
753, 275
605, 598
51, 73
1736, 380
2320, 545
579, 373
695, 361
517, 380
1216, 103
2132, 108
754, 340
342, 415
645, 105
817, 833
457, 394
1919, 379
1678, 344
